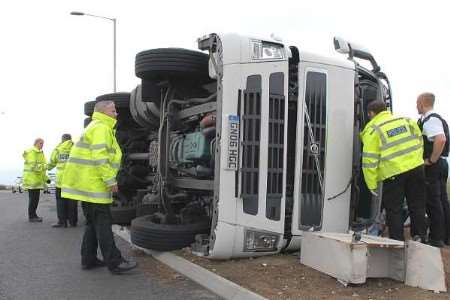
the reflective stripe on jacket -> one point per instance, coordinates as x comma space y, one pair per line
34, 168
391, 146
93, 163
59, 158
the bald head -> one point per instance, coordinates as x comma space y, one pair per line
106, 107
425, 102
101, 106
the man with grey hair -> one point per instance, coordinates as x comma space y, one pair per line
34, 176
90, 177
436, 149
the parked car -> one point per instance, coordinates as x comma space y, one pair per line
50, 188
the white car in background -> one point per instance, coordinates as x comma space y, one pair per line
50, 187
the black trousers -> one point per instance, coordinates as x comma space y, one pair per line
411, 185
98, 232
66, 209
435, 212
444, 198
33, 201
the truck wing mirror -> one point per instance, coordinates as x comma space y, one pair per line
341, 46
354, 50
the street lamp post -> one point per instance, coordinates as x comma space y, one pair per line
114, 20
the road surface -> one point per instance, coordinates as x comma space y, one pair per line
41, 262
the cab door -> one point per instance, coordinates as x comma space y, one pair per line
324, 148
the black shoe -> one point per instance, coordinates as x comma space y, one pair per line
59, 225
438, 244
73, 224
97, 264
35, 219
124, 266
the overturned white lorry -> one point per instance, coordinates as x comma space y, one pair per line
250, 143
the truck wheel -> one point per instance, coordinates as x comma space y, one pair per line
151, 92
122, 137
121, 100
133, 108
89, 108
122, 103
171, 63
165, 237
145, 114
122, 215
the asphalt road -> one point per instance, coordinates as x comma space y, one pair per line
41, 262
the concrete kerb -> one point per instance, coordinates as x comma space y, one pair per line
209, 280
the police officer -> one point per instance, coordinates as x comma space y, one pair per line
436, 147
66, 209
34, 177
392, 154
90, 176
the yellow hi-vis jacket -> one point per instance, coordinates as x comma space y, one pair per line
58, 159
391, 146
93, 163
34, 169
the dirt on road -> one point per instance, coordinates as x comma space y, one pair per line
284, 277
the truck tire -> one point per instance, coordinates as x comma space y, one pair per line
151, 92
165, 237
122, 137
134, 107
143, 112
171, 63
121, 100
122, 103
89, 108
122, 215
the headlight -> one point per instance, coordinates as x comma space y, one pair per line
257, 241
265, 50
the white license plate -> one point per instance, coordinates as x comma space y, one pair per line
233, 143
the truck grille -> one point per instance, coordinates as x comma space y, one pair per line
275, 147
251, 127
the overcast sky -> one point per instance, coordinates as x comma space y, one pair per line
51, 63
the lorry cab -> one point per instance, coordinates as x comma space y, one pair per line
299, 117
285, 151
